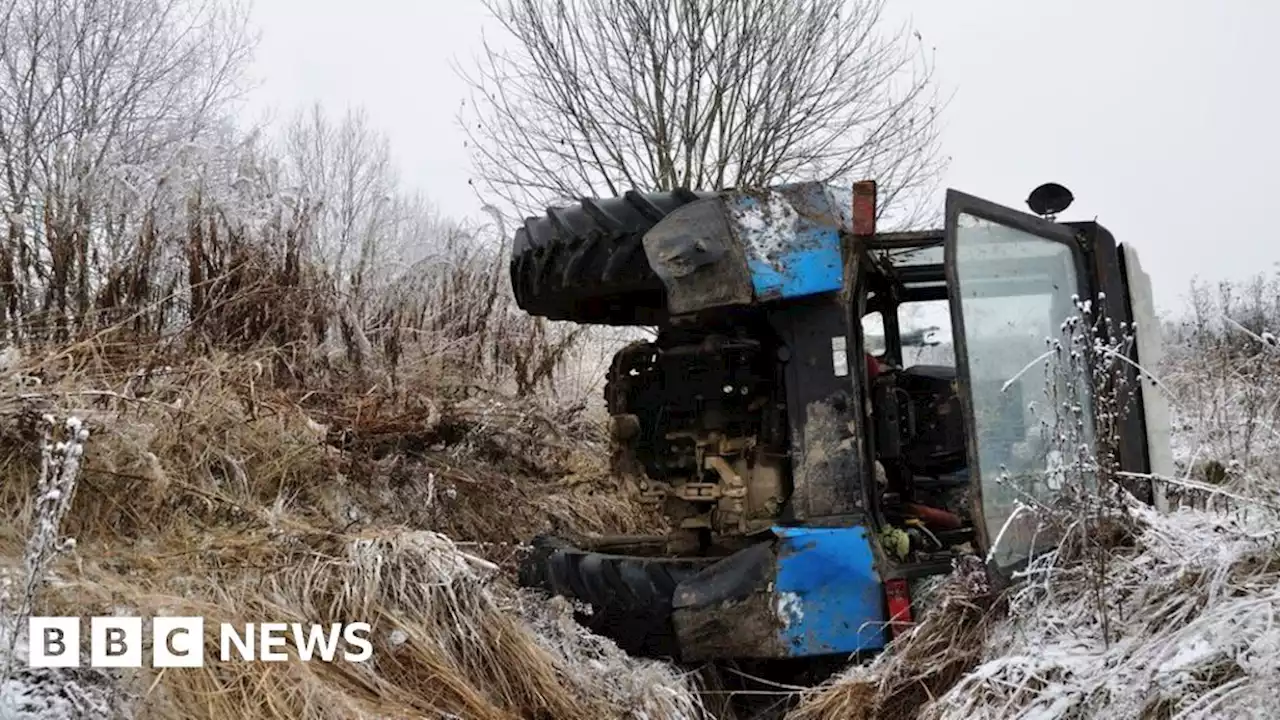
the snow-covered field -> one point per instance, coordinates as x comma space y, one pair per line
1184, 623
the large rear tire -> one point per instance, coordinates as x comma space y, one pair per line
630, 597
586, 263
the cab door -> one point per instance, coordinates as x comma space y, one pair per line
1014, 279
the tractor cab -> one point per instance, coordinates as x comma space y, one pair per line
969, 333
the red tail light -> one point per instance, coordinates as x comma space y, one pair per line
864, 207
899, 601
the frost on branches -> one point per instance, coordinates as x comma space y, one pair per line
1069, 457
1130, 613
62, 451
46, 693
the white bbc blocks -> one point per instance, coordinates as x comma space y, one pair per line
54, 641
116, 642
178, 642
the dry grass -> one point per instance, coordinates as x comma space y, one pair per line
213, 443
448, 639
209, 490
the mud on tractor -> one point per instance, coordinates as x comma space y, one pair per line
818, 443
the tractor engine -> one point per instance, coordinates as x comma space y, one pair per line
699, 423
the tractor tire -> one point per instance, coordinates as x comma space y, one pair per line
629, 597
586, 263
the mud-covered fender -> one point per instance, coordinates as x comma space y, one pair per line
745, 247
806, 591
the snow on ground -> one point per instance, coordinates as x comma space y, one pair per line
53, 693
1185, 624
49, 693
61, 694
646, 689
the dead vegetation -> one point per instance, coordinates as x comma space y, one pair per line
207, 489
1186, 621
1185, 628
215, 439
1223, 366
320, 480
309, 395
243, 484
310, 398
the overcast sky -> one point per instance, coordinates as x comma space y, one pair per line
1160, 116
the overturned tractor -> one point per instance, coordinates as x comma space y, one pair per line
827, 414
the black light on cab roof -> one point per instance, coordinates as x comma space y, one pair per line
1049, 199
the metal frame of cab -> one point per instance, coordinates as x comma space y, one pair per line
1103, 267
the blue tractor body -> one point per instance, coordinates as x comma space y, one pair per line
809, 473
811, 592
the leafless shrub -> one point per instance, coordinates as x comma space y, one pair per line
1224, 367
97, 97
452, 311
597, 97
138, 214
1089, 386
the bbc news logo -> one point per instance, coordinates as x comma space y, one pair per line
178, 642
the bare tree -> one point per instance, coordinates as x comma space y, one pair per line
345, 169
93, 94
595, 97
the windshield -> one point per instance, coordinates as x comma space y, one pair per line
1015, 291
